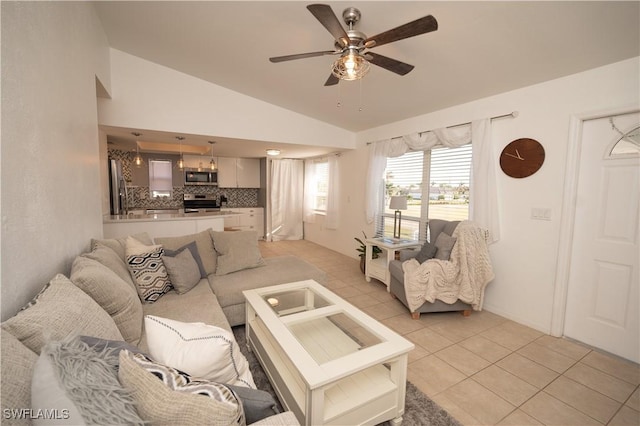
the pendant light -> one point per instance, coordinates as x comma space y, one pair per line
212, 163
137, 160
180, 162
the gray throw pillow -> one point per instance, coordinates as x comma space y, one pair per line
204, 243
237, 250
59, 309
183, 270
257, 404
444, 244
428, 251
106, 347
114, 295
193, 248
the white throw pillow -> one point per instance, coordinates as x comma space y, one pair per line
198, 349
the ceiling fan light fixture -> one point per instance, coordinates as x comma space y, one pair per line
350, 66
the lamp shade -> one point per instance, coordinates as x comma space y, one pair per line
398, 202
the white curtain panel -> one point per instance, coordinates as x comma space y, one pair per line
332, 220
287, 189
310, 191
484, 199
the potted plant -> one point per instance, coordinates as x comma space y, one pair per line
363, 251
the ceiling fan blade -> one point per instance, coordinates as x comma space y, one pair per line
423, 25
329, 20
390, 64
332, 80
301, 56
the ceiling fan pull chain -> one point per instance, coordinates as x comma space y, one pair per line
360, 107
339, 96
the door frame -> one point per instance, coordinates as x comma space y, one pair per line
565, 243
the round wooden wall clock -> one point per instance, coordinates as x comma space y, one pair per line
522, 158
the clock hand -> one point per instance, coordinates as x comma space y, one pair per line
518, 154
511, 155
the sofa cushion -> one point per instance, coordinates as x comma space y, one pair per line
237, 250
69, 376
204, 243
110, 259
277, 270
199, 349
193, 248
148, 270
17, 369
436, 226
59, 309
166, 396
427, 251
182, 269
444, 244
202, 305
114, 295
119, 245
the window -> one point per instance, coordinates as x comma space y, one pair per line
441, 177
160, 178
320, 185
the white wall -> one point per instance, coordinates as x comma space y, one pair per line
146, 95
52, 53
525, 258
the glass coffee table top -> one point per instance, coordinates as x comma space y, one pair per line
294, 301
331, 337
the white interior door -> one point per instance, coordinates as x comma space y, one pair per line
603, 296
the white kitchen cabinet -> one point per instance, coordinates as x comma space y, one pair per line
238, 172
247, 219
248, 172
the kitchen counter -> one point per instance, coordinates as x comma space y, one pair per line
166, 216
164, 224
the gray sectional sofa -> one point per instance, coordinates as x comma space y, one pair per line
101, 299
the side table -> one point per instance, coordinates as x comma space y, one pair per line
379, 268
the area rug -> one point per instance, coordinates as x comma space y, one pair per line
420, 410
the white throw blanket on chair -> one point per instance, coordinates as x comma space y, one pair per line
463, 277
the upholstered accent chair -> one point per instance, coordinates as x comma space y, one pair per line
429, 250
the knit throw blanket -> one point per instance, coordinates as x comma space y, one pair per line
463, 277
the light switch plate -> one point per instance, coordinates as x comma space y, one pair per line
539, 213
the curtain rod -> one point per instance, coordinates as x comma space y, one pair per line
513, 114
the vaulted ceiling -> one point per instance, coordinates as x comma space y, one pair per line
480, 49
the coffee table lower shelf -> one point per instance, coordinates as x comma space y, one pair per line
368, 396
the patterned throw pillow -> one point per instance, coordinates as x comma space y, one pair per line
148, 270
177, 398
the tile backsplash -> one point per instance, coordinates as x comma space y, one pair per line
139, 194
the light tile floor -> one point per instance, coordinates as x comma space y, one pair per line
485, 369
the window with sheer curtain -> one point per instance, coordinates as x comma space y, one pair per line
160, 178
321, 184
436, 183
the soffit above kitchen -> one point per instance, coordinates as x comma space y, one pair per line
158, 142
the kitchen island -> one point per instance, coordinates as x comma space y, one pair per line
163, 224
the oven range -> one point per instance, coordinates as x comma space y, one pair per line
200, 203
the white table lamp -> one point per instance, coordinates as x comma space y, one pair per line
397, 203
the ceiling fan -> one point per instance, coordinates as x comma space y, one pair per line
352, 45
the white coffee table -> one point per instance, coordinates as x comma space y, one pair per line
329, 362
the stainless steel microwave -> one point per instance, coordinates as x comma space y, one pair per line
193, 177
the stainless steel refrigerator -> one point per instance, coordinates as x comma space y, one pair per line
118, 188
